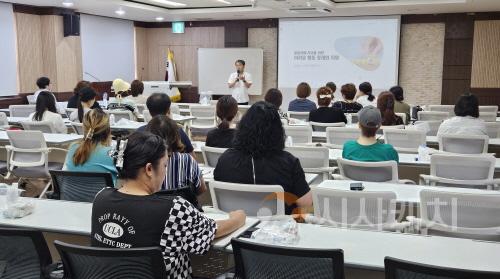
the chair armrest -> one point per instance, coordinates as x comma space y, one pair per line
338, 177
397, 227
320, 170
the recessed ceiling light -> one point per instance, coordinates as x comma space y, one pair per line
159, 18
170, 3
67, 3
120, 12
224, 2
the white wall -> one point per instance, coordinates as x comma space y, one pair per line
8, 69
107, 48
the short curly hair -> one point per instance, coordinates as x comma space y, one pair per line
260, 132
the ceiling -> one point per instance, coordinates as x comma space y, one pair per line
192, 10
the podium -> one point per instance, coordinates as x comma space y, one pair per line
169, 88
102, 87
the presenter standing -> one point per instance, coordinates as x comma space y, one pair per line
239, 82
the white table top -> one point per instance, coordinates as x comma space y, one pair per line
367, 249
404, 193
404, 159
430, 139
50, 138
75, 218
208, 174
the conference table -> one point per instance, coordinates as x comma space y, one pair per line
208, 174
50, 139
73, 219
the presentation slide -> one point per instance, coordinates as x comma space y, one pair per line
340, 50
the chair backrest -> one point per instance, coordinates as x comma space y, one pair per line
82, 262
146, 115
394, 127
321, 127
355, 209
174, 109
24, 142
299, 134
3, 119
79, 186
21, 110
242, 109
463, 144
488, 109
42, 126
455, 169
405, 140
464, 215
338, 136
433, 115
23, 254
119, 114
311, 157
300, 115
141, 108
257, 261
493, 129
399, 269
488, 116
450, 109
433, 126
403, 116
205, 115
255, 200
31, 99
211, 155
78, 127
369, 171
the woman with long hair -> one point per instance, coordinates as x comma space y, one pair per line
73, 100
86, 98
258, 157
145, 218
385, 103
222, 136
46, 110
92, 153
365, 95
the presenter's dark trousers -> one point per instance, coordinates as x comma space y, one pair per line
243, 104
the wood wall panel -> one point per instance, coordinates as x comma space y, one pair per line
486, 55
29, 50
141, 52
185, 47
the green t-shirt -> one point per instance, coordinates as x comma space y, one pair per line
369, 153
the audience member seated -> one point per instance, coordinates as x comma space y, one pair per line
87, 101
223, 135
182, 169
136, 90
159, 104
73, 100
302, 104
92, 153
325, 113
348, 105
43, 84
148, 219
275, 97
400, 106
385, 103
365, 95
121, 89
366, 148
332, 86
466, 121
46, 110
258, 157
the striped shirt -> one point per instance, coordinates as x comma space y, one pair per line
182, 170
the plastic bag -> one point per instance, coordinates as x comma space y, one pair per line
278, 232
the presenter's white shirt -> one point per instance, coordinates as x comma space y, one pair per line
240, 91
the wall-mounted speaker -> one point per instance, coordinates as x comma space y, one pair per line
71, 25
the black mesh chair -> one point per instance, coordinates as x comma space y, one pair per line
23, 254
78, 186
399, 269
257, 261
81, 262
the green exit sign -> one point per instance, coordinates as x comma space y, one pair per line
178, 27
